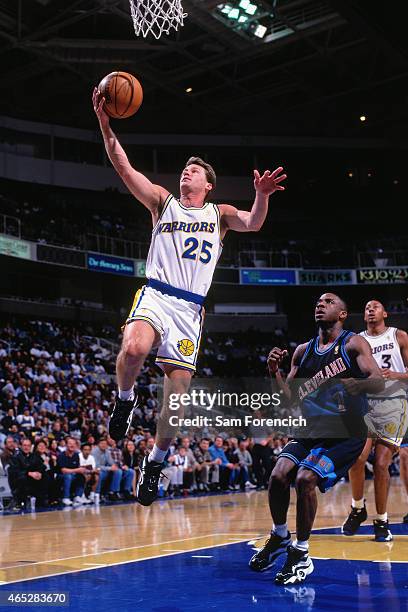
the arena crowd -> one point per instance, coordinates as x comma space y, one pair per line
57, 390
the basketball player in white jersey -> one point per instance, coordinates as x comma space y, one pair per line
168, 311
387, 420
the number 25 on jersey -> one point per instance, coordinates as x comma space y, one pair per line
192, 245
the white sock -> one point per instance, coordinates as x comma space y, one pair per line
280, 530
358, 504
382, 517
127, 395
157, 454
301, 545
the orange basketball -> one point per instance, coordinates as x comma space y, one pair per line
123, 94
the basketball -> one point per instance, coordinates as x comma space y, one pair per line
123, 94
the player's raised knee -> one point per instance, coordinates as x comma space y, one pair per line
279, 478
382, 463
135, 347
306, 479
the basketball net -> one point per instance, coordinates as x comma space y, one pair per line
156, 16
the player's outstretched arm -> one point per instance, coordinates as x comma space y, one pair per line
374, 382
150, 195
252, 221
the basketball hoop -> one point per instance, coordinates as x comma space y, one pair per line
156, 16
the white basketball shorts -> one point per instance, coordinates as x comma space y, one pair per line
179, 323
387, 418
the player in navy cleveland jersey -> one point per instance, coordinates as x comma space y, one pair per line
329, 378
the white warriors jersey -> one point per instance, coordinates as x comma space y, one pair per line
185, 246
387, 353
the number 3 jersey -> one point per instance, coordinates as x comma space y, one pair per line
387, 353
185, 246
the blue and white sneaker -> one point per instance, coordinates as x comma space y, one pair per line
297, 566
267, 555
382, 532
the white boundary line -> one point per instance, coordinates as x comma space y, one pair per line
90, 569
169, 554
107, 552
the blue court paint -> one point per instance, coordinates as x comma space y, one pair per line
366, 529
182, 583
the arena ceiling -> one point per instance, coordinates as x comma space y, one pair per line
336, 60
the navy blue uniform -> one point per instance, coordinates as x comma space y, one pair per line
335, 419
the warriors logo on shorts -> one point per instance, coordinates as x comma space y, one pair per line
391, 428
186, 347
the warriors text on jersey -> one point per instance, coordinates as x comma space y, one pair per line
185, 246
387, 353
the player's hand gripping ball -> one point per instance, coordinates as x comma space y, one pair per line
123, 94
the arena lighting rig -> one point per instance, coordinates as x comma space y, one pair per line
263, 21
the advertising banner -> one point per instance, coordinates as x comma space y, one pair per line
13, 247
327, 277
267, 276
113, 265
386, 276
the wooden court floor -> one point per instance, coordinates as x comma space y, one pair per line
85, 538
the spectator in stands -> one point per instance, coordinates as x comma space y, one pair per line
229, 447
141, 450
72, 474
10, 449
8, 420
15, 433
191, 460
107, 470
186, 443
128, 473
181, 475
245, 463
62, 446
50, 470
56, 431
26, 476
226, 468
149, 443
53, 448
205, 466
87, 461
25, 421
131, 460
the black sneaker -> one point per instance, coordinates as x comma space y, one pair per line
113, 497
14, 506
148, 485
267, 555
354, 520
297, 566
128, 496
121, 418
381, 531
405, 519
